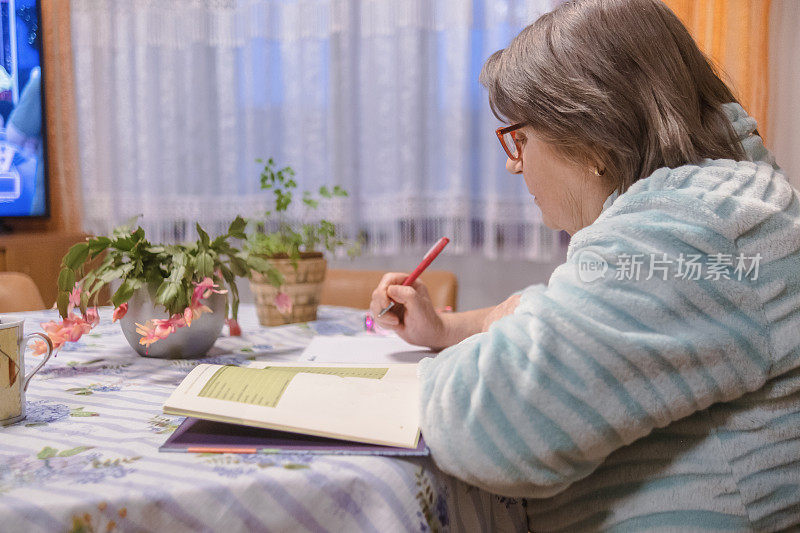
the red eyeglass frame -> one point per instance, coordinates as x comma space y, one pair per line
510, 129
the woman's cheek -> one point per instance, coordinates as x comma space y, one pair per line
529, 184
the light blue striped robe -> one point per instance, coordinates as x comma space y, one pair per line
644, 405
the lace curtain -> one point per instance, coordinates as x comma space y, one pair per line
783, 133
176, 100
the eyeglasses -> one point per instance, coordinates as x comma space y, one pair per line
508, 139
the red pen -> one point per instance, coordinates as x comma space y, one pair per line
426, 261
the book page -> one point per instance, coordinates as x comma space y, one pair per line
363, 349
369, 403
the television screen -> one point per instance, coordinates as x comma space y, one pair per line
22, 144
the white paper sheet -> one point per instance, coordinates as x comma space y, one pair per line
363, 349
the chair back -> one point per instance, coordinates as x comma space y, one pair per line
353, 288
18, 293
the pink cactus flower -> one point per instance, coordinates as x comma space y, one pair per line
74, 298
92, 316
70, 329
120, 312
284, 303
188, 315
157, 329
39, 347
234, 330
198, 310
204, 289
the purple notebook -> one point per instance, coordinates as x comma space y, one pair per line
195, 435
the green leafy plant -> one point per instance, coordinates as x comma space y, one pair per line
292, 240
171, 269
180, 275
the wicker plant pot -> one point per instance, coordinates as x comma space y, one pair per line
303, 285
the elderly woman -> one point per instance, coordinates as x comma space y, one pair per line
654, 382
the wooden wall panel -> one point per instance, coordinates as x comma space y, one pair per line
39, 256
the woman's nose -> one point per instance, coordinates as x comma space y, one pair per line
514, 165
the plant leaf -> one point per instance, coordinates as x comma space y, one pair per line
74, 451
204, 238
46, 453
123, 293
236, 229
76, 256
309, 201
168, 294
204, 264
63, 303
124, 243
177, 274
89, 279
162, 288
238, 266
78, 411
230, 279
275, 277
259, 264
98, 244
111, 274
66, 279
179, 258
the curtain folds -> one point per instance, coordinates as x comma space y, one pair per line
784, 91
176, 100
734, 34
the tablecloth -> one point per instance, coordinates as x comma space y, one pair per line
86, 457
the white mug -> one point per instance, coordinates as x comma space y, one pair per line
13, 382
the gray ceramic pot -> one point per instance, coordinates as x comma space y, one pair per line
187, 342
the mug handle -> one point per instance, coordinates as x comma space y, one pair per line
49, 343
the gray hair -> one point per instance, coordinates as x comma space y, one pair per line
616, 84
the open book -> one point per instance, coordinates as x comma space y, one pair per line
375, 404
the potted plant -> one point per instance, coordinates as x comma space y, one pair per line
290, 292
172, 299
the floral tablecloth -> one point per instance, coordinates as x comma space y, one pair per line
86, 457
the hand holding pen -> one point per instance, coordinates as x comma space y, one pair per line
427, 259
418, 323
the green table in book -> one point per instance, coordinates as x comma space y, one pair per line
86, 458
265, 386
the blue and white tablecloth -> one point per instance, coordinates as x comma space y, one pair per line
86, 457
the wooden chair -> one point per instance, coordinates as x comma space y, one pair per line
19, 293
353, 288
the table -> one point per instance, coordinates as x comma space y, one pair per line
86, 457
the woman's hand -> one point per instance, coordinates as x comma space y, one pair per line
413, 317
500, 310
